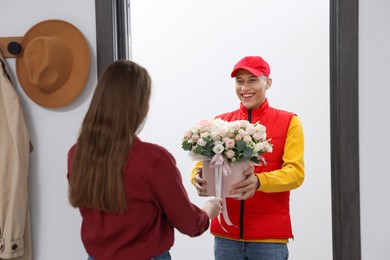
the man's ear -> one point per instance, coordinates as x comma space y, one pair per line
269, 83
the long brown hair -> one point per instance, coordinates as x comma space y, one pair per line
117, 111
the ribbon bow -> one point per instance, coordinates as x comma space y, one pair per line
222, 170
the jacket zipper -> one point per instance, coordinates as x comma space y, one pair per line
242, 206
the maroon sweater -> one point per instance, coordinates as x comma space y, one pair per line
157, 203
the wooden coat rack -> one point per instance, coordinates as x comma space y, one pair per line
10, 46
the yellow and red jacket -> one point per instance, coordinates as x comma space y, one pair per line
266, 216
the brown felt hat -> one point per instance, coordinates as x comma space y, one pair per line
53, 65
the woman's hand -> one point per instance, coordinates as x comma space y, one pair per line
213, 207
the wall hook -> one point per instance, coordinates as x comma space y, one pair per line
10, 46
14, 48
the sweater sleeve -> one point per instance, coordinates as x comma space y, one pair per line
292, 173
173, 199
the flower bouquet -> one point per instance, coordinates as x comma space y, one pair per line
226, 149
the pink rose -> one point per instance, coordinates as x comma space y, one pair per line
204, 124
257, 136
247, 139
230, 154
187, 135
230, 143
235, 127
195, 138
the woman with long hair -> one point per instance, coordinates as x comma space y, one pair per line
129, 192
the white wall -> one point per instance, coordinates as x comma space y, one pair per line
374, 127
189, 49
55, 225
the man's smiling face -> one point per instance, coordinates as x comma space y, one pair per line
251, 89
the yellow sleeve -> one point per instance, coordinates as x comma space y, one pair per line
193, 173
292, 173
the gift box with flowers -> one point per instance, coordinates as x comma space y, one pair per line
226, 149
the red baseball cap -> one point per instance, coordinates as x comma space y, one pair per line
254, 64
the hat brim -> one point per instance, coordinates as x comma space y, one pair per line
80, 69
251, 70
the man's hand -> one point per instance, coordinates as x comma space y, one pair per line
246, 187
199, 183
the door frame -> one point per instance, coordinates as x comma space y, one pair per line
113, 38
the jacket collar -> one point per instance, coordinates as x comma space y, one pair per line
256, 112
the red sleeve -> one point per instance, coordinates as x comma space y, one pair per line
171, 195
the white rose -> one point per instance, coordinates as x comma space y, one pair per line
201, 142
218, 148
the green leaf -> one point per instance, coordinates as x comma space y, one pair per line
207, 153
207, 139
186, 146
241, 145
255, 159
248, 152
198, 150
